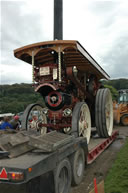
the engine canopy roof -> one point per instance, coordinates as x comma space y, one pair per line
73, 55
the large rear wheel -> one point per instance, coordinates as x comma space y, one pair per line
81, 121
104, 113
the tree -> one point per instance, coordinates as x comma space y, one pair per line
114, 92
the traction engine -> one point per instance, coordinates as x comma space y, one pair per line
68, 79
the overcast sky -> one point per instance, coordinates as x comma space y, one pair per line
100, 26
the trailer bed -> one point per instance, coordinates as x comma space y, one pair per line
44, 147
37, 162
98, 145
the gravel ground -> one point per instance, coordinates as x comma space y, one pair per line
98, 169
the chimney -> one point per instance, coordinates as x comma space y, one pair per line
58, 19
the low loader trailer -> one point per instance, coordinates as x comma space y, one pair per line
55, 144
54, 157
50, 163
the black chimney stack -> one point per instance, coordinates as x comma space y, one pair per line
58, 19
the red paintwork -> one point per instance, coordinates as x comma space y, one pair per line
56, 126
96, 151
56, 114
59, 99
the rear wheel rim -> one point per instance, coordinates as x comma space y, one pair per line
109, 115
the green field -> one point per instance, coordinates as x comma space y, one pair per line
117, 178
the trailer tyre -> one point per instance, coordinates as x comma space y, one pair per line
124, 120
33, 186
62, 177
104, 113
78, 166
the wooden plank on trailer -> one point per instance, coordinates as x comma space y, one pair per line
18, 138
14, 139
15, 144
51, 141
19, 150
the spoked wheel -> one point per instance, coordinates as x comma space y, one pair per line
81, 120
33, 118
63, 177
104, 113
124, 120
67, 130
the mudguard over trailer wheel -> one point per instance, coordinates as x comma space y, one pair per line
78, 166
33, 186
104, 113
28, 123
81, 121
62, 177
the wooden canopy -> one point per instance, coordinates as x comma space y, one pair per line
73, 55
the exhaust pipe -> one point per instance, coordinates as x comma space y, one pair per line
58, 19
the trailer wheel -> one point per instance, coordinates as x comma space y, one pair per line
81, 121
104, 113
62, 177
124, 120
33, 186
27, 119
78, 165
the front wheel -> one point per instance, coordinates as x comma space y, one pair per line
81, 121
33, 118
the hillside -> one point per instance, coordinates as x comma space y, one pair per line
118, 83
15, 98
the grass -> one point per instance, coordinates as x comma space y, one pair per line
117, 178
